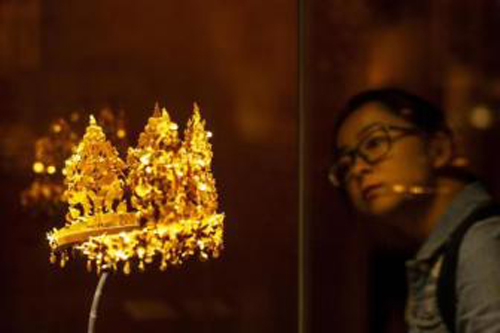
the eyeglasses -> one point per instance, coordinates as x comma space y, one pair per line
372, 148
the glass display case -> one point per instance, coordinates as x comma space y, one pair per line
444, 51
270, 78
237, 61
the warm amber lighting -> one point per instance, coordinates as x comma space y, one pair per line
413, 189
51, 170
399, 188
121, 133
481, 117
38, 167
460, 162
74, 117
50, 153
172, 211
56, 128
417, 189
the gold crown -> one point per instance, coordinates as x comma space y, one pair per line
161, 204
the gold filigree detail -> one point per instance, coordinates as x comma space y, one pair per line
173, 201
200, 188
45, 193
94, 176
157, 171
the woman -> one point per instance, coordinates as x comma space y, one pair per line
394, 159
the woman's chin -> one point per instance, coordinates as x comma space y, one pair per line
382, 205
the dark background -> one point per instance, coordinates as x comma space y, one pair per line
238, 61
446, 51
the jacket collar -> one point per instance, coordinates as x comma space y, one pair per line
462, 205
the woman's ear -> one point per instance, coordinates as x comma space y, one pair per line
441, 149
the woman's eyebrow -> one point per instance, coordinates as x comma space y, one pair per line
361, 133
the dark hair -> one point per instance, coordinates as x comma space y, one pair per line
419, 112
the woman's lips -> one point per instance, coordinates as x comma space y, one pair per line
369, 192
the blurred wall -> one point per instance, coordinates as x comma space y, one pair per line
238, 61
445, 51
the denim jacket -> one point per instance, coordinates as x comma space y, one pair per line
477, 276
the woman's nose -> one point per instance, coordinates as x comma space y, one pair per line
360, 167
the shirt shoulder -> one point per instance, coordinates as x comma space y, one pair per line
478, 278
482, 237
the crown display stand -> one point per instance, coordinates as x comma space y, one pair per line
95, 301
158, 206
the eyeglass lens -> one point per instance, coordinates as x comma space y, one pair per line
371, 149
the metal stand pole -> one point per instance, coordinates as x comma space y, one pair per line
95, 302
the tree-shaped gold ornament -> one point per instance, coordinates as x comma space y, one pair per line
45, 194
171, 208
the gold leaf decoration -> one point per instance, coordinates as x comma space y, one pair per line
94, 174
155, 171
172, 213
45, 193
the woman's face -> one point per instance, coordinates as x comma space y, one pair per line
375, 188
